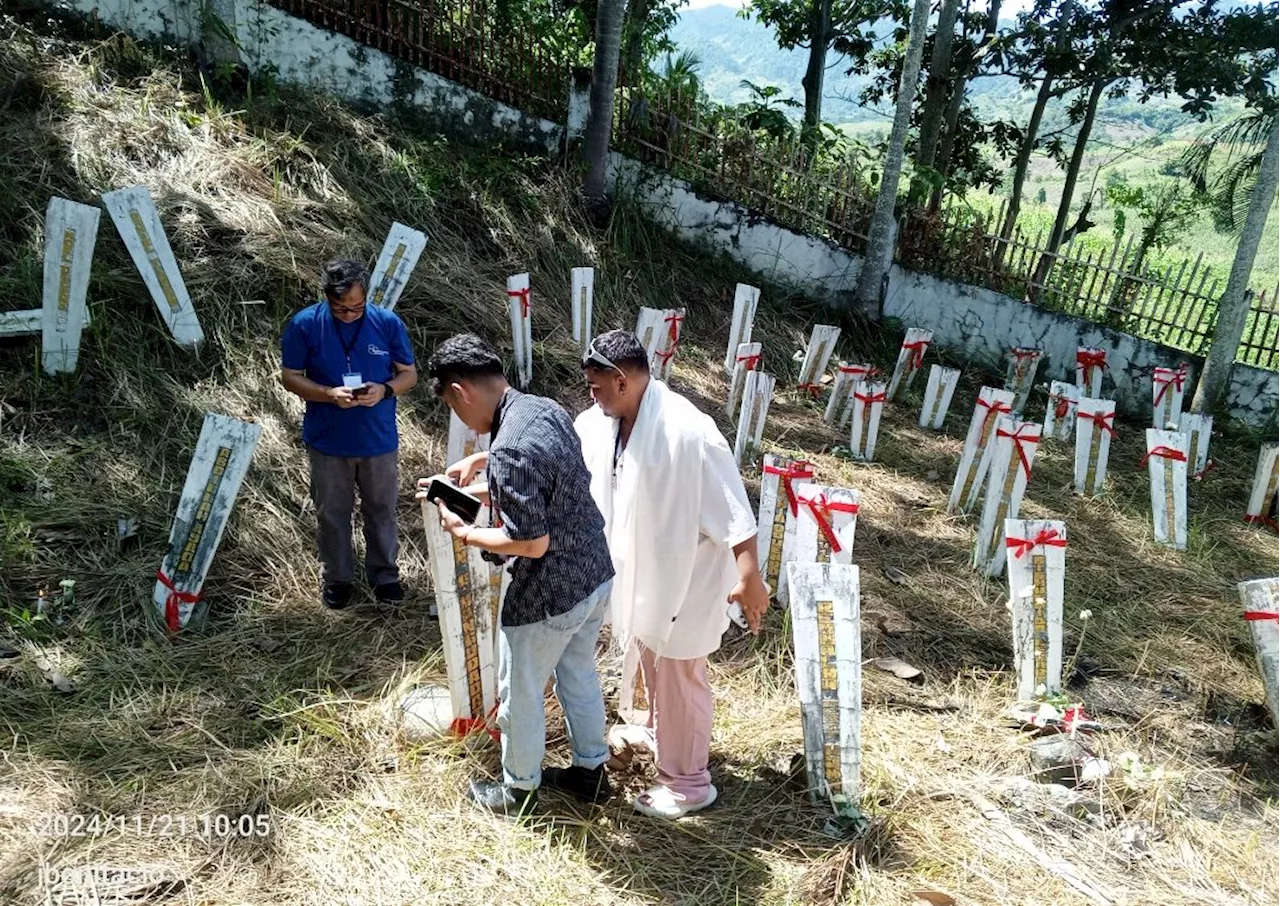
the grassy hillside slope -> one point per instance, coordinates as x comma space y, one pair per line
277, 708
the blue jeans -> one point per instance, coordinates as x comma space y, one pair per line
563, 645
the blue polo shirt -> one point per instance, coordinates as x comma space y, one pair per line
316, 342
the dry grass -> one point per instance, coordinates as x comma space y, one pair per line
276, 708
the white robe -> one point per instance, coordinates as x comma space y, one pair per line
677, 512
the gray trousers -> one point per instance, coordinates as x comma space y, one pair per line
334, 480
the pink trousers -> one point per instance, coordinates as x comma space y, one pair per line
680, 717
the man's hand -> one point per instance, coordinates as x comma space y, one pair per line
752, 595
341, 397
371, 395
464, 470
451, 522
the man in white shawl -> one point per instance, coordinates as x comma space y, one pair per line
682, 536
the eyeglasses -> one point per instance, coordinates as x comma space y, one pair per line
346, 309
599, 359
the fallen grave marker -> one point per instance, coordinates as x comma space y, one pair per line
218, 466
70, 233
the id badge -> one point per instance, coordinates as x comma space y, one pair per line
352, 381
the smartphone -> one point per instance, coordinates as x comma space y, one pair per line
360, 391
456, 499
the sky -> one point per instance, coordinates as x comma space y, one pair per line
1008, 8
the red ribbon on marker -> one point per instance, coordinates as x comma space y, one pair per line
1046, 538
673, 321
1173, 377
1165, 453
917, 347
822, 508
1091, 358
869, 398
1257, 616
174, 598
1019, 439
1102, 419
465, 726
751, 360
1062, 407
523, 295
799, 469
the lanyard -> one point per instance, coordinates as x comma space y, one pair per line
355, 338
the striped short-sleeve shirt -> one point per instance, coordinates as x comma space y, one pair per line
539, 485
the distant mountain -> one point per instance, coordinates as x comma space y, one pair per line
733, 49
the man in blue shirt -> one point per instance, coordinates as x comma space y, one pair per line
349, 361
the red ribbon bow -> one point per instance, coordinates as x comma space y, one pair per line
1172, 377
1019, 439
994, 409
1091, 358
751, 360
173, 599
1062, 407
857, 369
1046, 538
523, 295
822, 508
1102, 419
1165, 453
798, 469
1257, 616
465, 726
1263, 519
869, 398
673, 321
917, 347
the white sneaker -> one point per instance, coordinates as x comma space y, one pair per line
660, 802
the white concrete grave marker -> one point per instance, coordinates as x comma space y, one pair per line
521, 308
825, 525
868, 404
1012, 452
937, 396
826, 628
910, 360
582, 302
1260, 598
138, 221
822, 343
1266, 481
975, 458
1021, 374
1095, 426
467, 602
70, 231
399, 256
1091, 362
776, 522
649, 332
757, 392
1060, 413
1199, 428
1166, 463
840, 406
463, 441
1167, 388
1035, 552
747, 360
24, 323
745, 300
217, 469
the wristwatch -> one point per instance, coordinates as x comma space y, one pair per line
389, 391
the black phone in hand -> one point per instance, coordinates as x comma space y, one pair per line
459, 501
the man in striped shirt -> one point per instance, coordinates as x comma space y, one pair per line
548, 529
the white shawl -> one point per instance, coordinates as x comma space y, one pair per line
652, 518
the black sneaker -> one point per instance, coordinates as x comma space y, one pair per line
389, 593
588, 784
337, 595
491, 796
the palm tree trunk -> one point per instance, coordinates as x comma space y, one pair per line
604, 79
1233, 308
1021, 164
633, 59
816, 70
1045, 267
935, 92
879, 255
